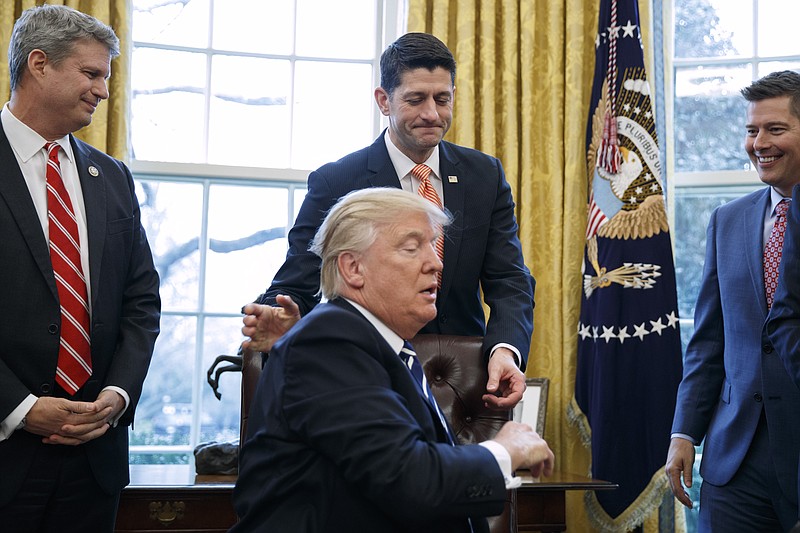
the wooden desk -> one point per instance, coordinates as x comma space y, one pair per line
541, 504
172, 498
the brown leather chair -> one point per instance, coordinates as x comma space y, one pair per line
456, 371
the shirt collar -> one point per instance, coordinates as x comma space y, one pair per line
403, 164
393, 339
775, 198
24, 141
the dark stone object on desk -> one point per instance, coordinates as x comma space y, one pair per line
217, 458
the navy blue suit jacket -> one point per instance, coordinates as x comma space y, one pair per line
481, 250
783, 325
340, 439
731, 371
125, 308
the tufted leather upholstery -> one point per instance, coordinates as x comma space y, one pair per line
456, 371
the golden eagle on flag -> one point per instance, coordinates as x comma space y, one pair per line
629, 351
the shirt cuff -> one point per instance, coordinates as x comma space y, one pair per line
503, 459
517, 356
113, 421
13, 420
683, 436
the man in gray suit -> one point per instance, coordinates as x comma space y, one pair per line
736, 394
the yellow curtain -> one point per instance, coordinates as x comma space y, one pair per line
109, 128
523, 85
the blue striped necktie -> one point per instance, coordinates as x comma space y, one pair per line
409, 357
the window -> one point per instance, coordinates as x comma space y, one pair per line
720, 47
233, 102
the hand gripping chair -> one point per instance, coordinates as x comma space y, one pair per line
457, 374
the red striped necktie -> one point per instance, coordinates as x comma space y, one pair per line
74, 353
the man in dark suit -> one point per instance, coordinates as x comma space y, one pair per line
481, 250
80, 306
736, 393
341, 437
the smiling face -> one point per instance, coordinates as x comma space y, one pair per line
397, 275
73, 88
420, 110
773, 142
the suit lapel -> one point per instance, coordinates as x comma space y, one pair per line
380, 167
753, 230
454, 186
404, 383
94, 199
14, 191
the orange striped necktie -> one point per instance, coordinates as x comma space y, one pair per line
74, 354
423, 172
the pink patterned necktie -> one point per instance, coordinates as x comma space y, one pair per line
773, 250
423, 172
74, 353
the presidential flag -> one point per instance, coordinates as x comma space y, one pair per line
629, 350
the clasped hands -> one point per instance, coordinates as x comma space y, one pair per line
265, 324
62, 421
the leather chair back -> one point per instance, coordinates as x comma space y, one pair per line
456, 371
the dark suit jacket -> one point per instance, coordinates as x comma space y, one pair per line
731, 371
783, 324
481, 247
340, 439
125, 308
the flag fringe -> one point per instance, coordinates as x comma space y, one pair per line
646, 503
576, 418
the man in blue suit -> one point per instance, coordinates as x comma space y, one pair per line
82, 272
481, 249
736, 395
344, 434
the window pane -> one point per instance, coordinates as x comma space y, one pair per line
172, 214
249, 121
774, 66
179, 23
709, 118
713, 28
246, 228
693, 208
341, 29
168, 107
255, 26
220, 418
164, 412
777, 22
331, 119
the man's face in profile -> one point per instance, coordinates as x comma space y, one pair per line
400, 274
